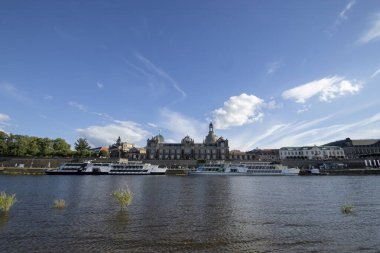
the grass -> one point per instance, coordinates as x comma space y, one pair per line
59, 204
6, 201
123, 197
347, 209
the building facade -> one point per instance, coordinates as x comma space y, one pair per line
359, 148
312, 153
212, 148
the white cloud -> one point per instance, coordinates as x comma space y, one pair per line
178, 126
48, 97
152, 125
158, 72
4, 117
238, 111
327, 89
376, 73
343, 14
272, 67
373, 33
106, 135
99, 85
78, 106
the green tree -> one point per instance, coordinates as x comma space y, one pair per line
33, 148
82, 147
104, 153
46, 146
3, 143
61, 147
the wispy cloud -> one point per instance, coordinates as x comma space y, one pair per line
12, 91
78, 106
328, 89
108, 134
343, 14
103, 115
272, 67
177, 126
48, 97
156, 71
319, 131
4, 118
238, 111
373, 32
341, 17
375, 73
99, 85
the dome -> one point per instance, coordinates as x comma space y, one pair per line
159, 138
187, 140
211, 138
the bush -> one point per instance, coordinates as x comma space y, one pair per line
123, 197
347, 209
6, 201
59, 204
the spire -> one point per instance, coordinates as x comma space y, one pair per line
211, 128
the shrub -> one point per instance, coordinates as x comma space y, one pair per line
347, 209
59, 203
123, 197
6, 201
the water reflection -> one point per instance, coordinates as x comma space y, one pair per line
232, 214
4, 217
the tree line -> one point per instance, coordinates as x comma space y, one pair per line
23, 145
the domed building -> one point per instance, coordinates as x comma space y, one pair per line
212, 148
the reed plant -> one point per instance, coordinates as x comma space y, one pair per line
347, 209
59, 204
123, 196
6, 201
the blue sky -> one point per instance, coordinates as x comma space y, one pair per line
267, 73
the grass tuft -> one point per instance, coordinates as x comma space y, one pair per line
347, 209
59, 204
6, 201
123, 197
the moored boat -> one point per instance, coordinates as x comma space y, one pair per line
92, 168
246, 169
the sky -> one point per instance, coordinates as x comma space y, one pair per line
268, 74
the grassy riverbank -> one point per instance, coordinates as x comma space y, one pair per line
22, 171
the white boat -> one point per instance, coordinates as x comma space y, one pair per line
246, 169
136, 168
93, 168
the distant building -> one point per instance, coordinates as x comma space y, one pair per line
240, 155
266, 154
359, 148
126, 150
212, 148
311, 153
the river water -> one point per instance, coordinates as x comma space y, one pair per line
192, 214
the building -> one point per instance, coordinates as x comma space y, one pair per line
212, 148
240, 155
359, 148
126, 150
312, 153
266, 154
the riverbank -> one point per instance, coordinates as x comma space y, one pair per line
22, 171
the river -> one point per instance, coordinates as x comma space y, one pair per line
192, 214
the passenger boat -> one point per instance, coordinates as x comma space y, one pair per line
136, 168
246, 169
90, 168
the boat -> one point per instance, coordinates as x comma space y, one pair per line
136, 168
245, 169
92, 168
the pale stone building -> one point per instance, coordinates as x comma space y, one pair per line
311, 153
212, 148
